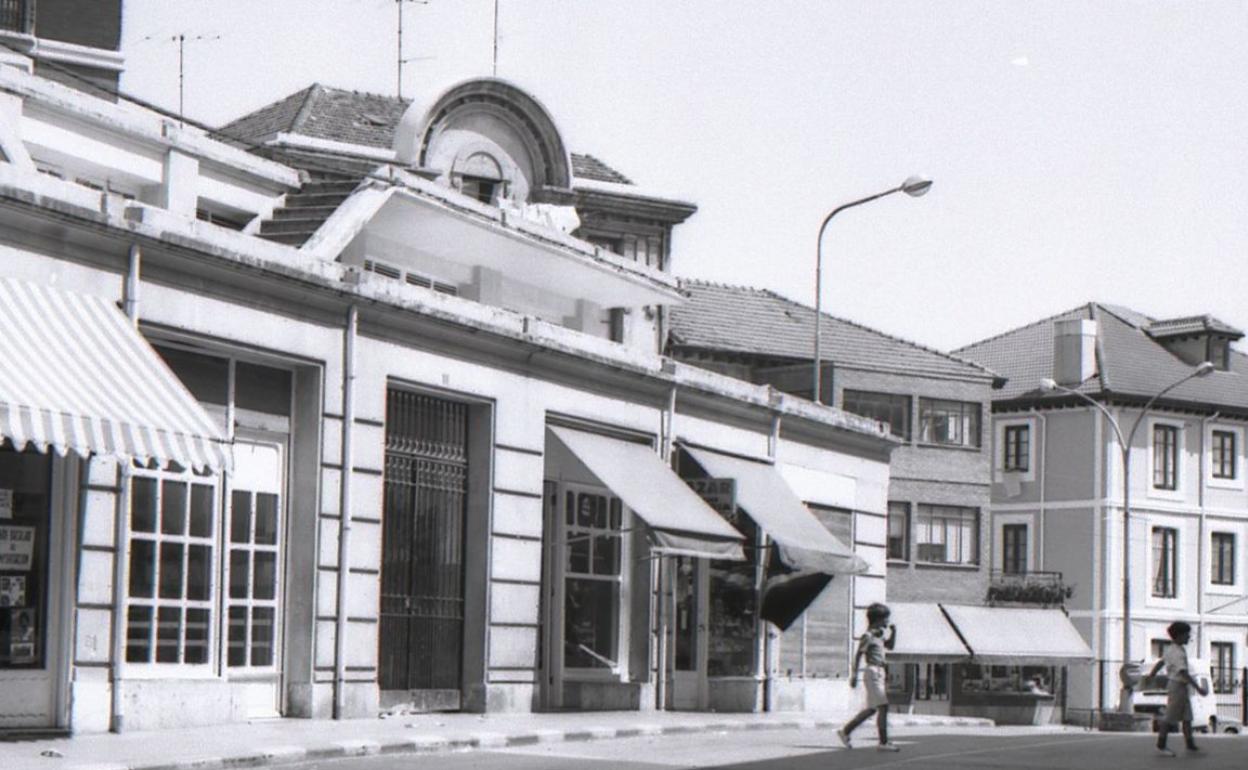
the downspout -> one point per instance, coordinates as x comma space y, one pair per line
662, 613
344, 508
121, 528
1044, 448
768, 630
1100, 547
1200, 536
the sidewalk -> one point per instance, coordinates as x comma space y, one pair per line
282, 741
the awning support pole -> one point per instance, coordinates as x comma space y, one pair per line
344, 510
662, 615
121, 529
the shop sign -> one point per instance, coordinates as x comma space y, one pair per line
720, 494
17, 548
6, 503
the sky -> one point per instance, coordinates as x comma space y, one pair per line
1079, 150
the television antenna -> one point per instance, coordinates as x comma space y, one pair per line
399, 59
181, 38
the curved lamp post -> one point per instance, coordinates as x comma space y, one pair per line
1126, 703
915, 186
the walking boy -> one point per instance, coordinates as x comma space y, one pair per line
1178, 698
872, 647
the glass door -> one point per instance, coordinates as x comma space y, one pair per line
689, 644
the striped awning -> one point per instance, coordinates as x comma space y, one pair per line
75, 375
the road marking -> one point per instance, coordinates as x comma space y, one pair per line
999, 749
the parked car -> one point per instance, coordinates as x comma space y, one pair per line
1150, 698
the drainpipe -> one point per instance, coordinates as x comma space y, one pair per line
121, 528
1200, 537
663, 615
344, 508
1044, 448
768, 631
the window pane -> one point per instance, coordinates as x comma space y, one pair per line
198, 572
142, 568
265, 585
262, 631
173, 507
606, 555
139, 634
168, 634
240, 573
589, 623
240, 517
585, 510
262, 388
898, 535
142, 504
196, 650
578, 552
237, 648
201, 510
171, 571
266, 519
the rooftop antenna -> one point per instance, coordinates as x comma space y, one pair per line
495, 38
180, 38
400, 61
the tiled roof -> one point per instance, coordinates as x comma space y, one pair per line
321, 112
758, 322
1131, 362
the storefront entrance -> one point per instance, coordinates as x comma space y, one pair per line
31, 585
422, 568
689, 685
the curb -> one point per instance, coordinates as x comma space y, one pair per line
268, 756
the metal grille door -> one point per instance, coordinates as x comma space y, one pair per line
422, 571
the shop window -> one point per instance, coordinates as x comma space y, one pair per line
932, 681
1222, 558
1165, 457
25, 484
946, 534
733, 613
1223, 670
898, 530
888, 408
1009, 680
1165, 562
169, 614
949, 423
592, 578
254, 538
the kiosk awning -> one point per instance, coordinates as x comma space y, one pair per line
805, 545
924, 635
1018, 635
679, 520
75, 375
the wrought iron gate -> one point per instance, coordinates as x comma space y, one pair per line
422, 569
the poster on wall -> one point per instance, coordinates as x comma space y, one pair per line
17, 548
6, 503
22, 636
12, 590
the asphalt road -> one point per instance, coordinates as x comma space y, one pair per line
810, 749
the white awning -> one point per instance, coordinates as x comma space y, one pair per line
680, 521
75, 375
924, 635
804, 543
1018, 635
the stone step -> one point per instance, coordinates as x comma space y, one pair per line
291, 225
290, 239
304, 212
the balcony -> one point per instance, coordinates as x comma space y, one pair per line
1043, 589
17, 16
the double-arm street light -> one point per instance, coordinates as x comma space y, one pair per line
1126, 702
915, 186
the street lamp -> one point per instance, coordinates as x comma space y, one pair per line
1126, 700
915, 187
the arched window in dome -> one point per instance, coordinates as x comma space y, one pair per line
480, 176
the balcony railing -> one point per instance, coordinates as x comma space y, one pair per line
17, 16
1045, 589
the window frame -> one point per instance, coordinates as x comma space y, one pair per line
1164, 556
619, 619
1222, 677
933, 512
1236, 478
876, 403
1016, 437
1018, 556
1217, 565
968, 417
903, 509
1170, 467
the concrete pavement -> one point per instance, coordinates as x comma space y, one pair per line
284, 741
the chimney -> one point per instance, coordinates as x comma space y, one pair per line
1074, 351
